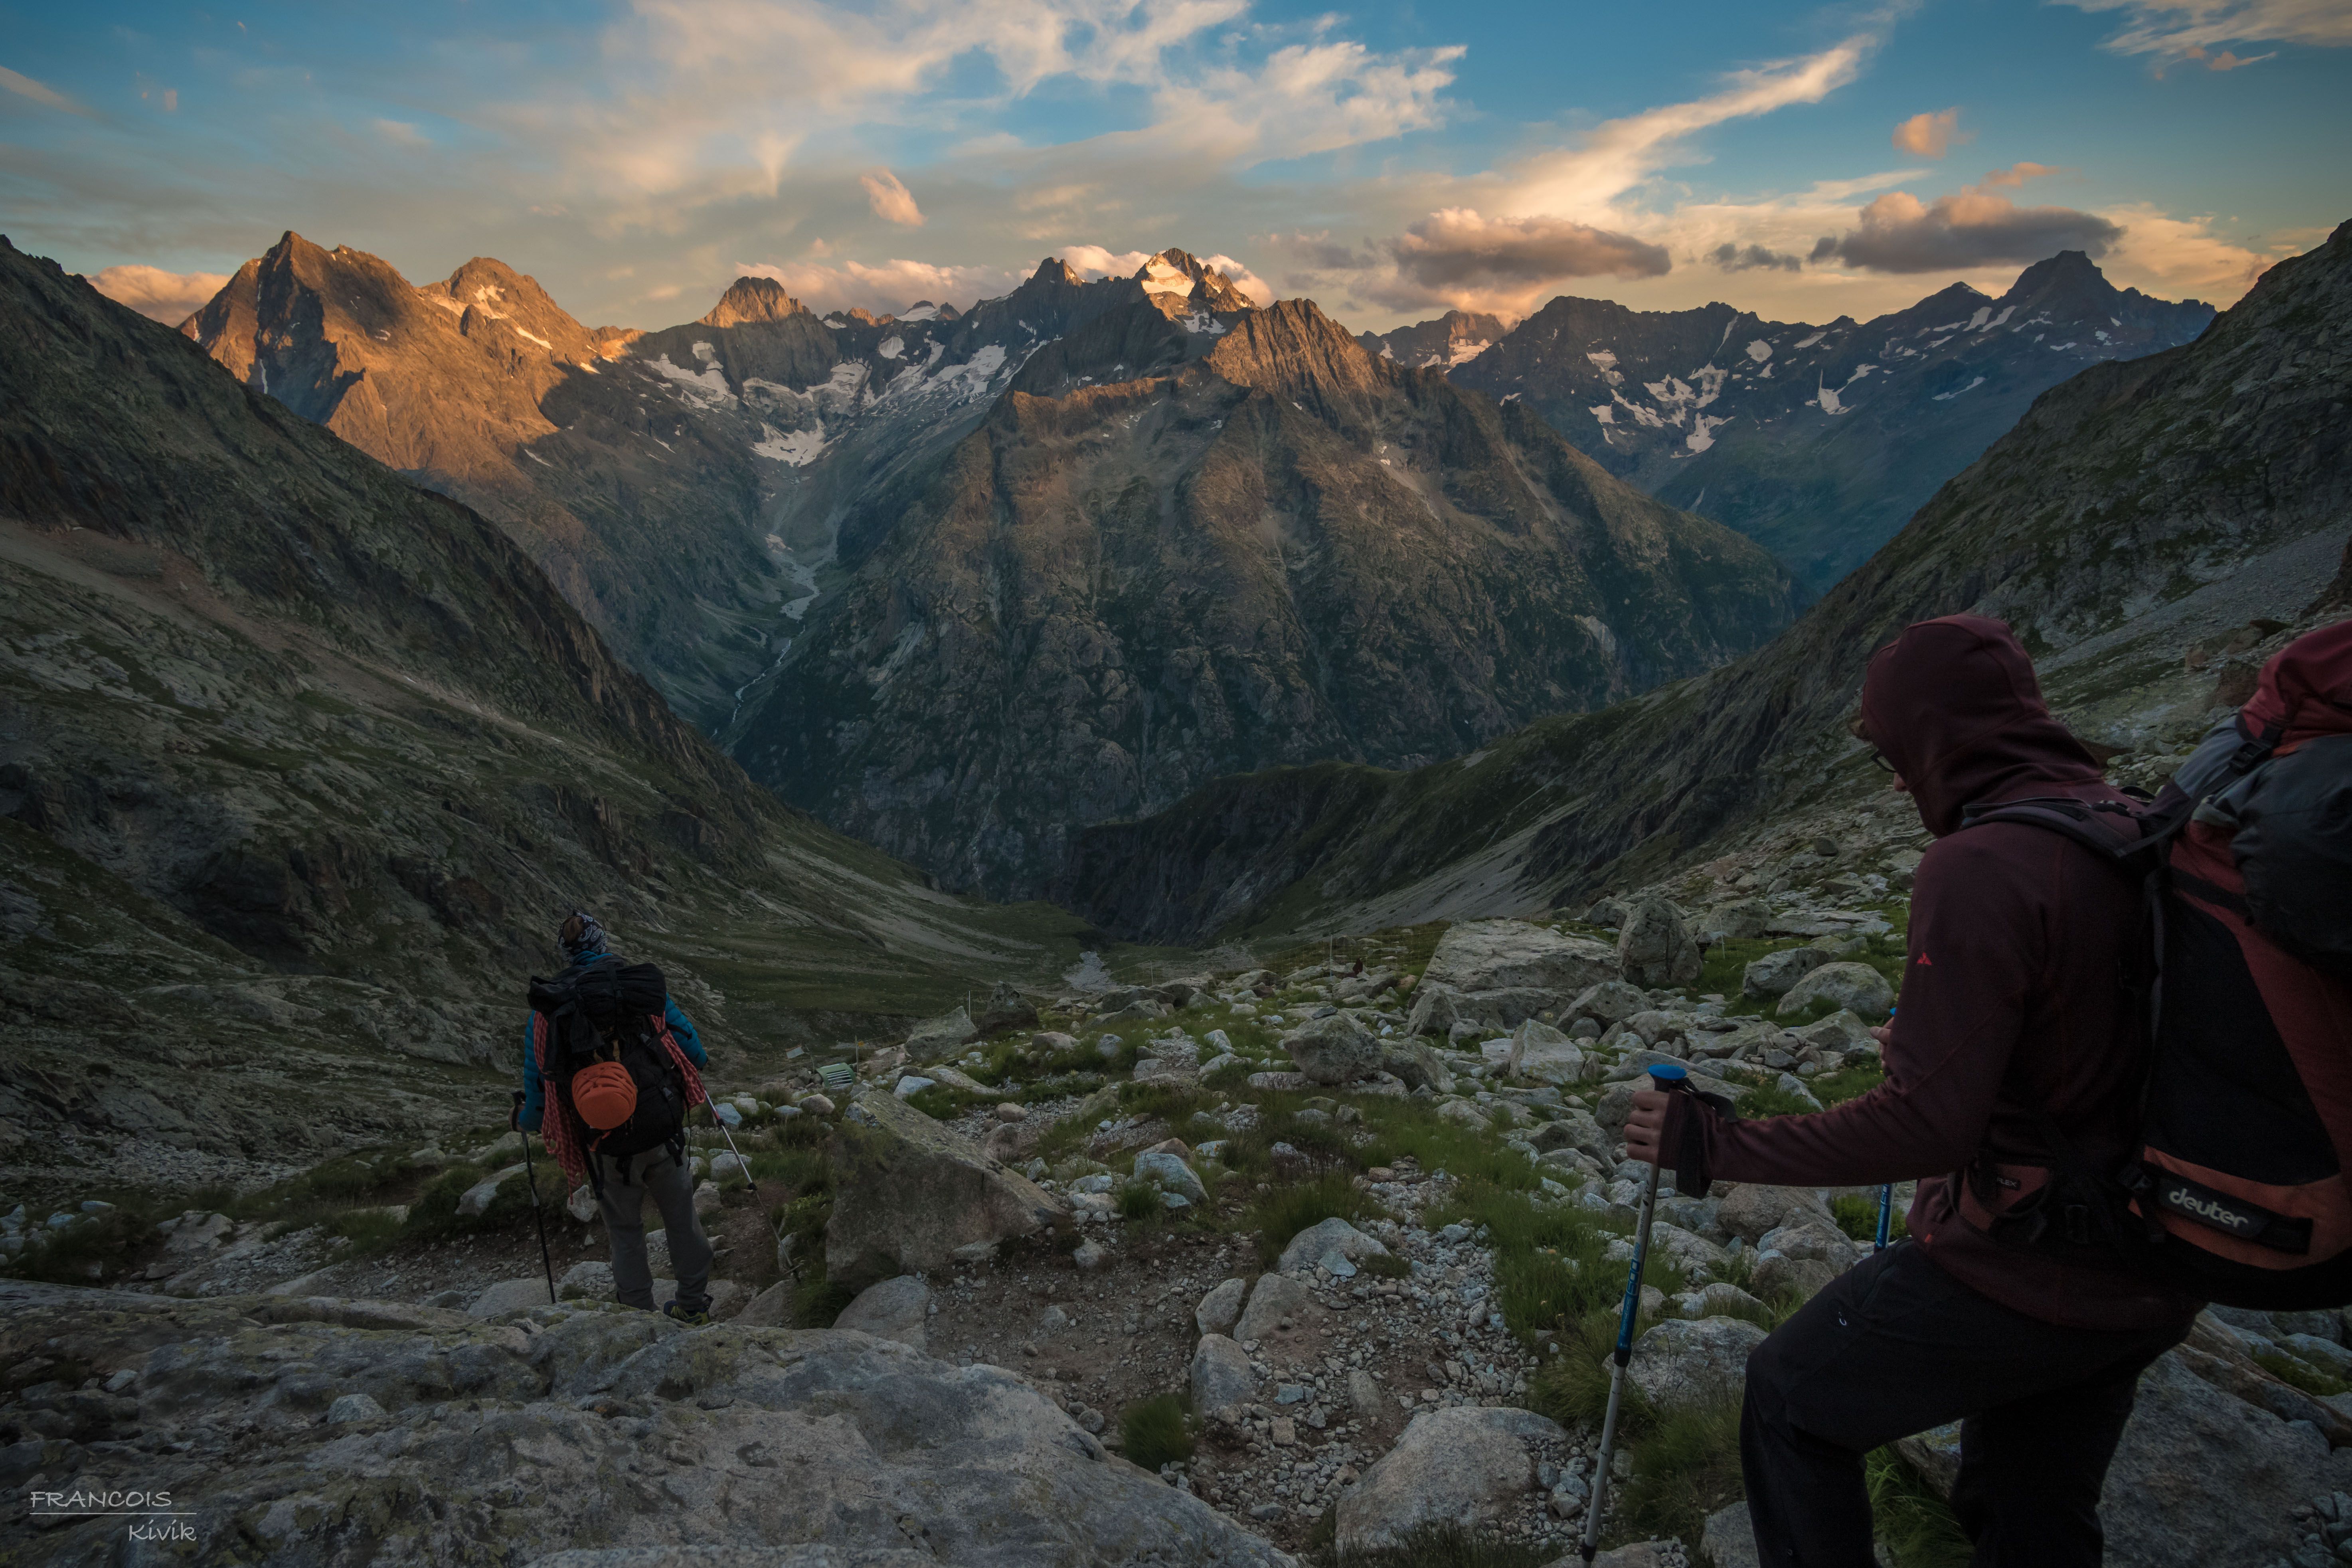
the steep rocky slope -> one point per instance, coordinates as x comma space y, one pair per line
1188, 543
2150, 526
1452, 339
1816, 441
297, 762
641, 505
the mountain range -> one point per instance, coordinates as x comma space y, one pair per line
2150, 528
300, 763
969, 580
1817, 442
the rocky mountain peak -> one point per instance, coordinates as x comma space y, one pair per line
1181, 284
1454, 338
750, 299
1055, 271
1293, 350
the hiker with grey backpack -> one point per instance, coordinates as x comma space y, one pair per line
609, 1072
2121, 1069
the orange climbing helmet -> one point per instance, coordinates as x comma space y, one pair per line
604, 1095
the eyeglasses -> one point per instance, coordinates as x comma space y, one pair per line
1878, 760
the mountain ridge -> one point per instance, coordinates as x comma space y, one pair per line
2215, 478
1816, 440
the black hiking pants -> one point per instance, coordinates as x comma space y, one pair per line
1895, 1346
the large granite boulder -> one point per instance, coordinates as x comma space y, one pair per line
1684, 1362
590, 1428
1655, 946
1334, 1050
1541, 1052
907, 1192
1323, 1240
1856, 987
1505, 954
1775, 972
935, 1038
1464, 1466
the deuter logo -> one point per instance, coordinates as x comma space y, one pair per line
2205, 1208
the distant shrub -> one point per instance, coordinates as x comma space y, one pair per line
1153, 1432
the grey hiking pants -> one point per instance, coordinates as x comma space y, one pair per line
627, 1184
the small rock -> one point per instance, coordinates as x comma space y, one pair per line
817, 1105
1170, 1174
1089, 1257
1012, 1110
1310, 1246
1220, 1375
1856, 987
1774, 973
1220, 1309
351, 1408
510, 1295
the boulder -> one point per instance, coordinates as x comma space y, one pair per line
1220, 1309
1334, 1050
896, 1309
1856, 987
1506, 954
1006, 1009
764, 1439
1416, 1066
1803, 1236
1752, 1208
2200, 1476
1803, 1278
476, 1200
1542, 1053
1742, 919
1683, 1363
1839, 1033
1465, 1466
1275, 1297
1318, 1241
934, 1038
1655, 946
513, 1296
1222, 1376
1364, 1396
586, 1282
1435, 1011
582, 1204
1170, 1174
1575, 1129
1775, 972
1606, 1002
770, 1308
907, 1192
1728, 1538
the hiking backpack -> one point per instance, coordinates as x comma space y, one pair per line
2240, 1188
607, 1011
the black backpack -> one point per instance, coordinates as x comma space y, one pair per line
608, 1010
2234, 1192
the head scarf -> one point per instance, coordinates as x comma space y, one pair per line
580, 936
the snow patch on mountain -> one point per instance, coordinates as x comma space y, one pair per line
798, 447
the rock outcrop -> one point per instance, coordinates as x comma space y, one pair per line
597, 1430
910, 1193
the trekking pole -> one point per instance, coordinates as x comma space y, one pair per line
1668, 1079
1885, 1194
745, 1166
531, 1173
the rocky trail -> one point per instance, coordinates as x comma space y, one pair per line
1291, 1263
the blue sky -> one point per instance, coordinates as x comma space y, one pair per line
1390, 160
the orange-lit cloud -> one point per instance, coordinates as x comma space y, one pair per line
168, 297
891, 201
1931, 135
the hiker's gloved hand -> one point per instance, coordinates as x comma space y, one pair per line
1645, 1129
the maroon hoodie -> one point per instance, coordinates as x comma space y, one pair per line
2010, 1009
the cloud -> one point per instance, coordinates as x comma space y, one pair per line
891, 201
1619, 155
891, 286
1733, 258
2175, 256
1899, 233
1457, 246
2192, 29
2017, 173
40, 92
168, 297
2227, 61
1094, 261
1931, 135
1248, 281
401, 134
1302, 99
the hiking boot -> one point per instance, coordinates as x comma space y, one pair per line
692, 1317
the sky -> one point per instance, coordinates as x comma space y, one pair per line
1391, 161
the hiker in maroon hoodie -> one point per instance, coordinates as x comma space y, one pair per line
2013, 1041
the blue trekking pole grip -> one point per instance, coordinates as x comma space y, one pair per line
1666, 1077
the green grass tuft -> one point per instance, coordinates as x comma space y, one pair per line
1686, 1468
1444, 1545
1913, 1526
1138, 1200
1153, 1432
1279, 1214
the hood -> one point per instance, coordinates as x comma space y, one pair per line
1954, 704
2305, 690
